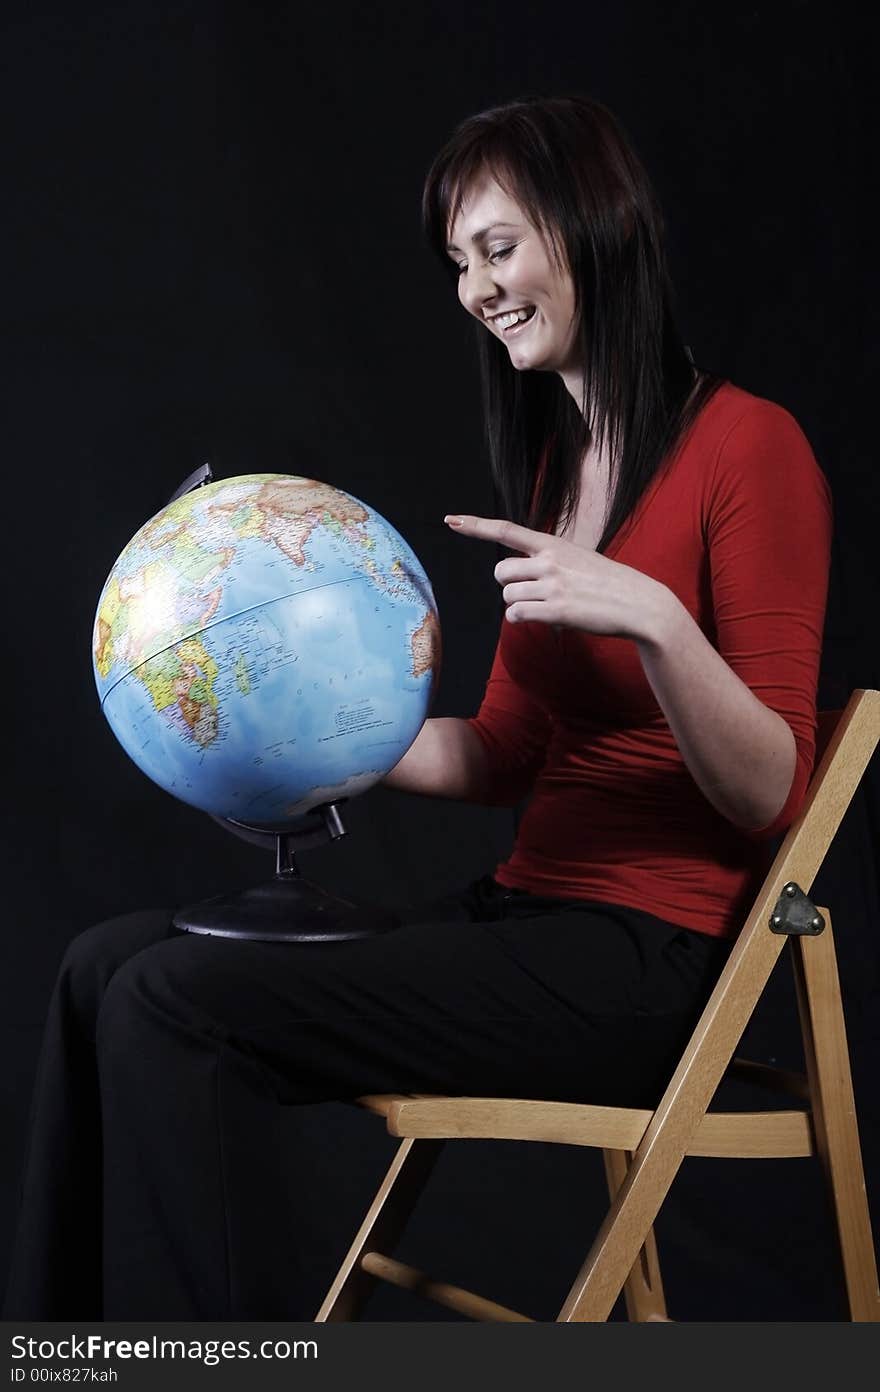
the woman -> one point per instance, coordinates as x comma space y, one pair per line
652, 694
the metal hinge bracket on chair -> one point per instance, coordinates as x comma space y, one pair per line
796, 914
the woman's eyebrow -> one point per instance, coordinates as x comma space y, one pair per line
483, 232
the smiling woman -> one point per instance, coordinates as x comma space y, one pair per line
511, 283
545, 204
638, 477
651, 699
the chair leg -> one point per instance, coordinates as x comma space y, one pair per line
643, 1289
834, 1114
656, 1162
386, 1218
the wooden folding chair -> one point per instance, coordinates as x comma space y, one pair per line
643, 1149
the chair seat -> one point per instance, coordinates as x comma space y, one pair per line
748, 1135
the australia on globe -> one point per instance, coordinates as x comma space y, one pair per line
264, 645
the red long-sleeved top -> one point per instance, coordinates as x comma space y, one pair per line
737, 523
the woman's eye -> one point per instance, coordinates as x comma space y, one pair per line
500, 255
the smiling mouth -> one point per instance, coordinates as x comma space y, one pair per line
510, 323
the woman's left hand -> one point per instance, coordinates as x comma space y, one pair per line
557, 582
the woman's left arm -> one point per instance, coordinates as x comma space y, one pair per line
741, 754
746, 730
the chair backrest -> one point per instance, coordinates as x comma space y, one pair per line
833, 783
827, 722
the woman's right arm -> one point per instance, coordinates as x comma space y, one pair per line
446, 759
492, 758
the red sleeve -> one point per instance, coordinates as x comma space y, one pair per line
769, 531
515, 731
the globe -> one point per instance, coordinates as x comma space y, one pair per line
264, 645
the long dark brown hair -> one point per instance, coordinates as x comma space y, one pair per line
569, 165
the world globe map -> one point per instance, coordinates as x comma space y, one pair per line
264, 645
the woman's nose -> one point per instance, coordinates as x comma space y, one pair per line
478, 289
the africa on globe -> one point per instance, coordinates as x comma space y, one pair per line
264, 645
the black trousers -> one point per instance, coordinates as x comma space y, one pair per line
166, 1055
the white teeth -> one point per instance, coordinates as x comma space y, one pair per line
504, 321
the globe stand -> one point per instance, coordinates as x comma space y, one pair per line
287, 908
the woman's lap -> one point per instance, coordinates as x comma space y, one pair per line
582, 1002
166, 1054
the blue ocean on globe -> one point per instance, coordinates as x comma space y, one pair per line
266, 644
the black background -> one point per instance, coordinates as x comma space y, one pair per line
212, 252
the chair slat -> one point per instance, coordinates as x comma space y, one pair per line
464, 1302
755, 1134
764, 1075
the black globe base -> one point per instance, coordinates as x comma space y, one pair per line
284, 909
287, 908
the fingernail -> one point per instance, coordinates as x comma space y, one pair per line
453, 521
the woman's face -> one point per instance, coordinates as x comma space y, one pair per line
505, 269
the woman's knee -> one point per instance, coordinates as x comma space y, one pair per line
93, 957
153, 993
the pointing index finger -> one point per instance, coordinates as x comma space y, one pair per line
509, 534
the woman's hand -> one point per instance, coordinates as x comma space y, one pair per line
557, 582
741, 754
